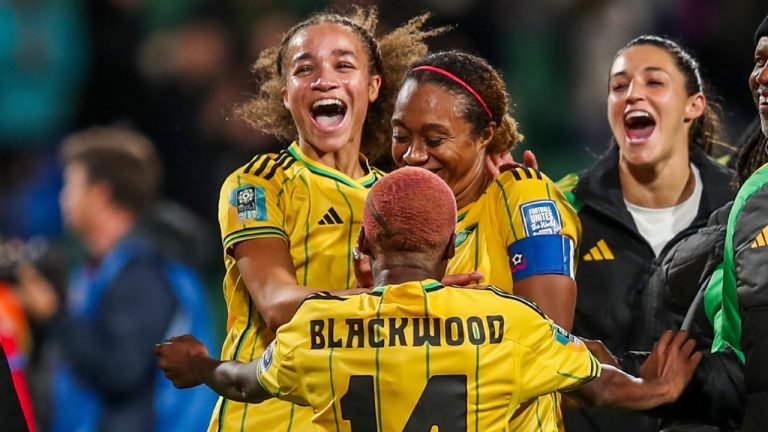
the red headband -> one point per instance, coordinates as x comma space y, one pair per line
458, 80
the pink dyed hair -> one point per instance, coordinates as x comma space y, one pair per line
409, 210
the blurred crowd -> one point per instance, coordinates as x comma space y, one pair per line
174, 70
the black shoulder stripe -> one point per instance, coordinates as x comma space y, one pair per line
527, 173
535, 173
324, 295
278, 164
516, 174
253, 161
509, 296
262, 165
290, 161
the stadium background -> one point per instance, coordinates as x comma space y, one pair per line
174, 69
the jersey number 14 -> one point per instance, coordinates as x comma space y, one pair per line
443, 403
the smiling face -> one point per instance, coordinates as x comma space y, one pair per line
649, 110
328, 86
758, 82
429, 132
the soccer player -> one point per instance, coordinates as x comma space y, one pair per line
414, 354
289, 220
517, 229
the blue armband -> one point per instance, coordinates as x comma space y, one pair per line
541, 254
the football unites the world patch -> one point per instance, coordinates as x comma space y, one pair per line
563, 336
540, 217
266, 358
250, 202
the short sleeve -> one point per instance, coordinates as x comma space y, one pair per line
541, 229
550, 359
250, 207
278, 375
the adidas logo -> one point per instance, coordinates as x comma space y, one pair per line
331, 217
761, 239
600, 252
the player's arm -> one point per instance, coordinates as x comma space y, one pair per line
267, 270
541, 262
665, 375
186, 362
554, 294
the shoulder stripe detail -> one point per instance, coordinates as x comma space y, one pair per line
253, 162
516, 174
509, 296
291, 160
324, 295
280, 163
262, 165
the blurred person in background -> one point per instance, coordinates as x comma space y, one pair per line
655, 186
126, 297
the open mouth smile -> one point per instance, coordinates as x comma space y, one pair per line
638, 125
328, 114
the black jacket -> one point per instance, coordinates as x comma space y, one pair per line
614, 303
716, 394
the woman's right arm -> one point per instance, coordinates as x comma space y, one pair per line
267, 270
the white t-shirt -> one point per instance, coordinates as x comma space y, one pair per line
658, 226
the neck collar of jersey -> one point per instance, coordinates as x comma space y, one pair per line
365, 181
425, 286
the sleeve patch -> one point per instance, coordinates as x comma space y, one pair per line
250, 202
266, 357
543, 254
541, 217
563, 336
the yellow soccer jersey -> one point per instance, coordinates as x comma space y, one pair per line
418, 355
318, 211
521, 226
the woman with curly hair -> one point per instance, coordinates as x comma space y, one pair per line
289, 220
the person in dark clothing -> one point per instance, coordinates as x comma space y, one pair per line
654, 187
746, 253
728, 259
124, 299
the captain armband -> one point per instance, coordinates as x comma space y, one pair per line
541, 254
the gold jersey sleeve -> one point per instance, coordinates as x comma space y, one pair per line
251, 203
521, 226
414, 356
278, 375
551, 359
